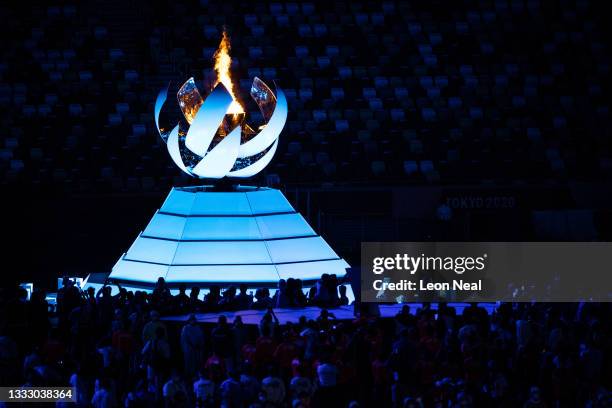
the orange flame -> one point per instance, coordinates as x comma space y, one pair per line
223, 62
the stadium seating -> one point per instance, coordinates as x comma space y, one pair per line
391, 88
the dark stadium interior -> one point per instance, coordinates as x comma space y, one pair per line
394, 108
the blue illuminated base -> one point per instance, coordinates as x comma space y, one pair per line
205, 237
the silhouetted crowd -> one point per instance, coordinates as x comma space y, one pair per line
327, 292
118, 350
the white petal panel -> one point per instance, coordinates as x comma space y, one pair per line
159, 103
256, 167
207, 120
220, 160
174, 150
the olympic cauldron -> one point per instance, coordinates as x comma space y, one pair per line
214, 142
203, 235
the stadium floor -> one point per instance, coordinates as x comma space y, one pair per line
292, 315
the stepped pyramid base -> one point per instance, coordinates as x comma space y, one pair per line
203, 237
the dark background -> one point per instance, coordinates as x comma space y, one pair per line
475, 120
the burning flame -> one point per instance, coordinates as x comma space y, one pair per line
223, 62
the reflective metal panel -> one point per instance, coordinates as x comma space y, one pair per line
271, 131
189, 99
264, 97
